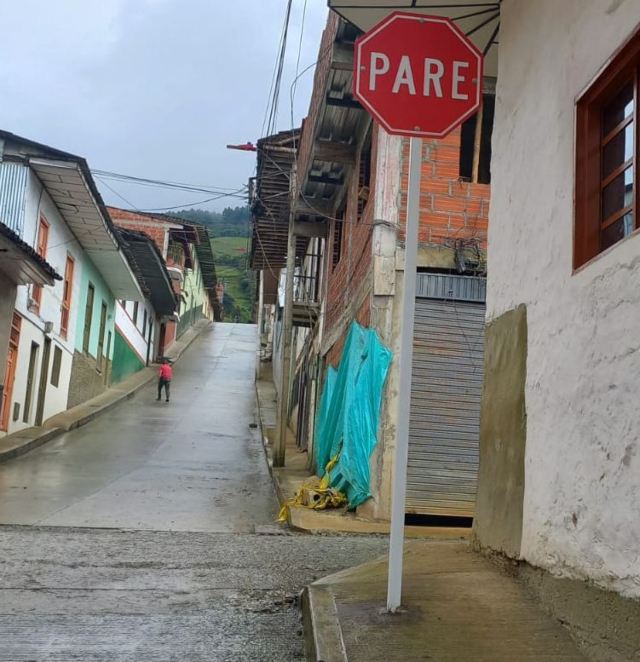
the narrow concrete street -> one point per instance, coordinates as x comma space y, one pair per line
193, 464
149, 534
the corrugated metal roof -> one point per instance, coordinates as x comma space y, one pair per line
150, 270
13, 184
29, 267
270, 201
336, 122
68, 180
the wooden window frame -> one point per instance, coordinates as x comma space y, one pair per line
475, 143
67, 285
88, 319
56, 366
41, 249
624, 67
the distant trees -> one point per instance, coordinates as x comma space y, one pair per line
232, 264
232, 222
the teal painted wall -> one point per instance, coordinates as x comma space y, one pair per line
125, 360
194, 294
88, 273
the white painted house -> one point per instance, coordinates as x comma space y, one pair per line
559, 476
564, 293
138, 324
64, 332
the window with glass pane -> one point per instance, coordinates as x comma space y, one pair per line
618, 128
606, 157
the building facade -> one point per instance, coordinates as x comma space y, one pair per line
62, 334
138, 324
560, 452
558, 477
348, 220
20, 266
185, 248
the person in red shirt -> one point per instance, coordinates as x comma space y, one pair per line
164, 379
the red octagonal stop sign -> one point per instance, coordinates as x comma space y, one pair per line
418, 75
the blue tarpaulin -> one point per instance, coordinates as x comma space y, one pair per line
349, 413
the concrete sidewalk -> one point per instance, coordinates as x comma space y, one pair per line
458, 606
26, 440
288, 479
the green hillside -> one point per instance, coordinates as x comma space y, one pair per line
230, 254
229, 231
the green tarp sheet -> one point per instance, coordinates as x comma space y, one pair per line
349, 413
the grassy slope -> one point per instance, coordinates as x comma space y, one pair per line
230, 245
233, 246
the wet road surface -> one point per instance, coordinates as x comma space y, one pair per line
192, 464
148, 534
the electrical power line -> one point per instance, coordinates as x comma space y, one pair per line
234, 194
116, 193
159, 183
273, 113
295, 79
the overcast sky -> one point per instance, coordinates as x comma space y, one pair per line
152, 88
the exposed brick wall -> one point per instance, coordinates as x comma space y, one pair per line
345, 280
334, 355
154, 229
450, 209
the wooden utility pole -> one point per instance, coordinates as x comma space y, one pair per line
259, 320
283, 410
477, 144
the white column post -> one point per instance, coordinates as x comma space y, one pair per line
280, 445
405, 361
259, 321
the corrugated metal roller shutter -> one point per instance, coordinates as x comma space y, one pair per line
445, 399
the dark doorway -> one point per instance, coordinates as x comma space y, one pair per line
44, 376
33, 358
106, 363
149, 340
88, 316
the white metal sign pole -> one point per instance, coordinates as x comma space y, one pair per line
405, 362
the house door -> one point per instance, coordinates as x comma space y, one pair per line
149, 341
31, 376
44, 377
107, 374
103, 326
303, 409
10, 373
446, 387
161, 339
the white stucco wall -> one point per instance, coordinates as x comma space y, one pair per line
61, 242
134, 332
582, 464
55, 396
